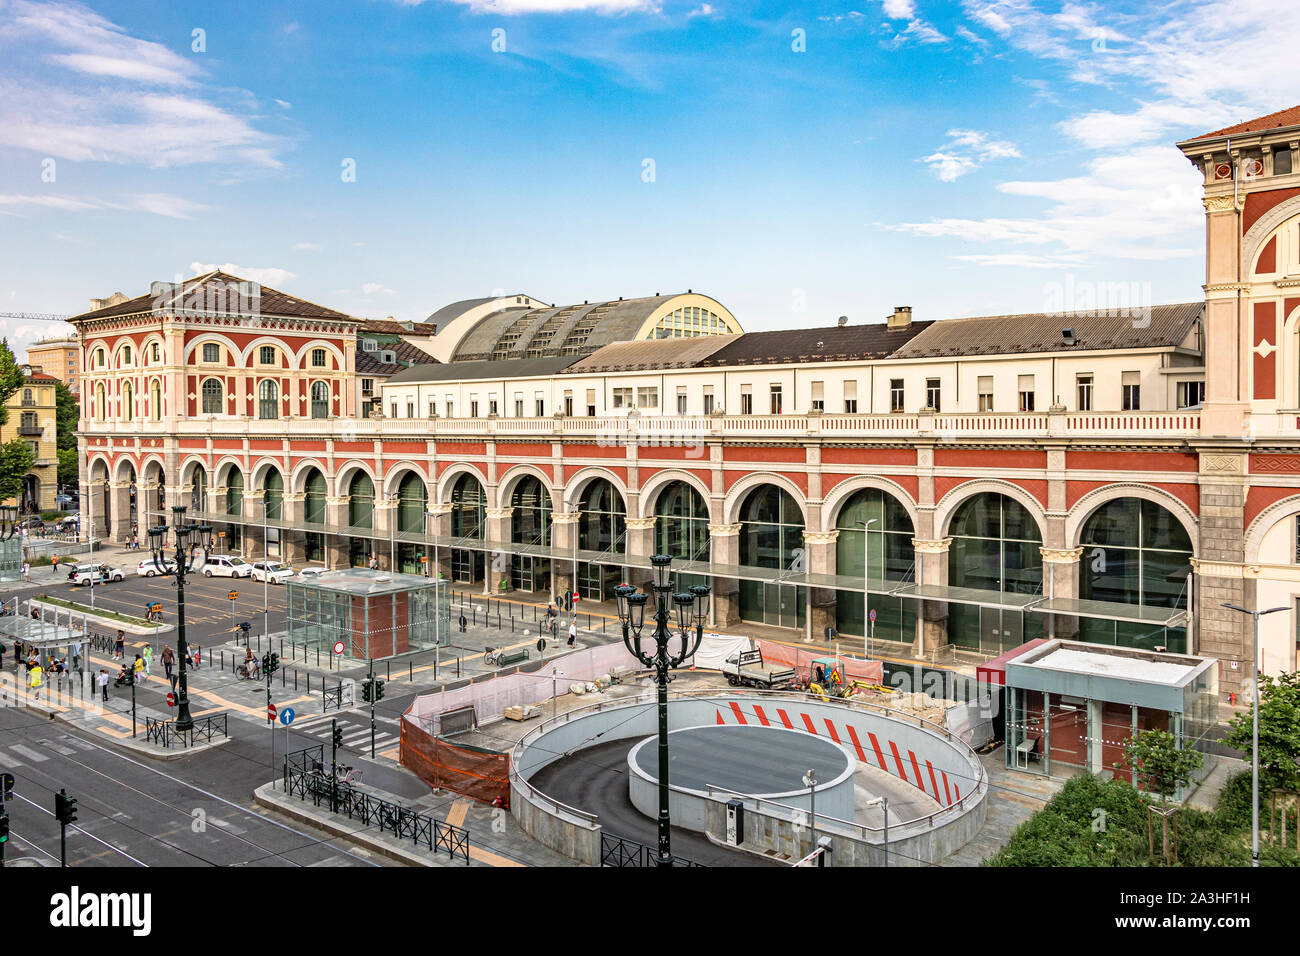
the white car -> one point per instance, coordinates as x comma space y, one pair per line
271, 571
226, 566
306, 574
147, 568
84, 575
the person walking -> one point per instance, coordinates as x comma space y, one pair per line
374, 563
119, 645
148, 660
54, 565
35, 678
168, 659
2, 656
27, 572
137, 669
573, 631
102, 679
463, 622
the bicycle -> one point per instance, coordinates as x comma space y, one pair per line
493, 656
247, 672
346, 774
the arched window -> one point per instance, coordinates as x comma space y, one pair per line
128, 401
682, 529
314, 497
602, 526
28, 398
273, 494
199, 490
468, 506
995, 547
771, 536
101, 358
155, 405
126, 355
361, 501
213, 397
885, 557
530, 523
235, 493
268, 399
412, 499
320, 400
1134, 552
101, 404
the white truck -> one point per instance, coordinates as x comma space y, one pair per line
747, 667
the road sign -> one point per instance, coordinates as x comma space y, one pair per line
872, 616
338, 647
286, 716
171, 699
270, 711
234, 595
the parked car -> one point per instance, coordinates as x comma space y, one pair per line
306, 574
271, 571
83, 575
147, 568
227, 566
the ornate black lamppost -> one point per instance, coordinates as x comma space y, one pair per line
193, 545
8, 521
692, 610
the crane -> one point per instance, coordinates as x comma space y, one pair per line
35, 316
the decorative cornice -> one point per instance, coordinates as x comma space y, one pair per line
725, 530
1061, 555
820, 537
564, 517
640, 524
497, 514
926, 546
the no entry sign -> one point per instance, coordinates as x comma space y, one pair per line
338, 647
171, 700
270, 711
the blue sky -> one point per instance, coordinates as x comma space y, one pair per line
808, 161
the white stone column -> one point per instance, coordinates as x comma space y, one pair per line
724, 544
1061, 580
931, 616
819, 553
640, 544
496, 564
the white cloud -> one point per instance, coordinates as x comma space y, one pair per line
272, 277
965, 151
53, 201
517, 7
161, 204
284, 104
75, 85
1020, 260
703, 10
374, 288
305, 247
899, 9
922, 32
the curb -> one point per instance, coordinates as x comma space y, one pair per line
302, 812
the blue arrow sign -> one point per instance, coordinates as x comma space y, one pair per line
286, 716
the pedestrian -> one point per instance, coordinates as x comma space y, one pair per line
196, 658
35, 678
18, 655
54, 565
168, 659
374, 563
463, 622
103, 684
573, 631
76, 657
135, 542
27, 572
148, 660
119, 645
137, 669
60, 668
2, 656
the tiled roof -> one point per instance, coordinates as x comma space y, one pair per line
651, 354
272, 301
1278, 120
1162, 326
407, 354
389, 327
838, 343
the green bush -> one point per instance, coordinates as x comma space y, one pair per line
52, 515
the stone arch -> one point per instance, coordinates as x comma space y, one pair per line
575, 485
741, 489
120, 469
515, 474
344, 473
296, 483
193, 347
955, 498
843, 492
1085, 507
223, 468
654, 486
303, 353
450, 475
398, 472
1258, 234
1265, 521
259, 470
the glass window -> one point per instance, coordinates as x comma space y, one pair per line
708, 399
1026, 389
986, 393
273, 495
126, 355
932, 396
771, 536
266, 355
774, 392
1281, 162
361, 501
320, 400
317, 358
746, 400
211, 352
213, 395
602, 526
1132, 392
268, 399
314, 497
995, 547
1083, 386
647, 397
818, 396
1190, 394
622, 397
156, 353
895, 394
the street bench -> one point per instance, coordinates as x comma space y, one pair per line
512, 657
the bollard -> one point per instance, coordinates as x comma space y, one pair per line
309, 682
295, 680
410, 671
388, 670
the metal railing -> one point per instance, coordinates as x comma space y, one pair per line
164, 732
620, 851
306, 779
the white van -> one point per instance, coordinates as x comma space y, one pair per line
227, 566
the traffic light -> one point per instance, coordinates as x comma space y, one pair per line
65, 808
379, 690
338, 736
7, 783
4, 826
366, 694
275, 663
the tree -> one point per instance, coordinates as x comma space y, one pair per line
66, 415
11, 379
1279, 732
1162, 768
16, 460
68, 467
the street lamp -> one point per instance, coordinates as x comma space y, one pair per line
810, 781
692, 611
1254, 733
8, 521
866, 585
193, 546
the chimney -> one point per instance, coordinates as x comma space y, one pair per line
117, 298
843, 321
901, 319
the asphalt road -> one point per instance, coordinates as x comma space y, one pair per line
595, 780
196, 811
